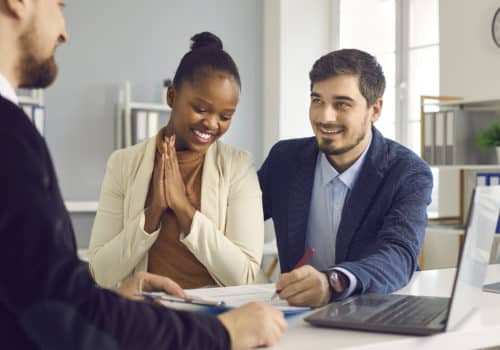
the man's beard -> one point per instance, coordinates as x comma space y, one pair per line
325, 146
34, 74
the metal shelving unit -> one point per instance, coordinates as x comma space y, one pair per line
124, 132
455, 181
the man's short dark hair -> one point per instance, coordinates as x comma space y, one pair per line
352, 62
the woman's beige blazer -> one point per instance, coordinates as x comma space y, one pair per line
227, 236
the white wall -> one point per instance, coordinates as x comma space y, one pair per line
296, 33
271, 89
470, 61
305, 37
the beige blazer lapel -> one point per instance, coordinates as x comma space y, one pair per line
211, 201
140, 185
210, 186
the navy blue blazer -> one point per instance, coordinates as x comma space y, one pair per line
384, 217
48, 299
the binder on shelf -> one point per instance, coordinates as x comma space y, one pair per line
140, 127
488, 179
153, 121
31, 101
440, 131
450, 139
481, 179
36, 114
137, 121
429, 138
145, 124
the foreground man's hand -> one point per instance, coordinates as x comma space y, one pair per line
148, 282
253, 325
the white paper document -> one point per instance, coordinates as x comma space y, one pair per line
239, 295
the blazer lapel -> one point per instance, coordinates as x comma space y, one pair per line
299, 202
210, 183
365, 188
140, 185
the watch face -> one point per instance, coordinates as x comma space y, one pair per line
495, 28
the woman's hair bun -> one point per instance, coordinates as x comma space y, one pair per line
205, 40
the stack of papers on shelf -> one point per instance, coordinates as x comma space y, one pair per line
227, 298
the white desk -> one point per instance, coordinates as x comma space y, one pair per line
481, 329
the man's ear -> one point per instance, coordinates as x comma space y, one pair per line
171, 93
376, 110
15, 8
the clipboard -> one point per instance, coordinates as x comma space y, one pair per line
190, 300
213, 306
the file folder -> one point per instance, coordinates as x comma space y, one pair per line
440, 130
429, 138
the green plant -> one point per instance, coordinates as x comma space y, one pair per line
490, 137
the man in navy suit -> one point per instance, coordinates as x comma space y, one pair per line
48, 299
358, 199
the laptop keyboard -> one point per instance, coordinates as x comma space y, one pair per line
411, 311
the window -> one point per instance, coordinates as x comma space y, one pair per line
404, 36
370, 25
423, 62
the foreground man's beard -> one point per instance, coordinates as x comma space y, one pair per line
34, 74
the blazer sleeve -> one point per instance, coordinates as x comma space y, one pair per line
392, 261
116, 249
233, 257
49, 294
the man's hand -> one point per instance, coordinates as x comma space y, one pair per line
148, 282
304, 286
253, 325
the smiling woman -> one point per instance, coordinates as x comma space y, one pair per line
183, 204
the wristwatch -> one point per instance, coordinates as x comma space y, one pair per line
338, 282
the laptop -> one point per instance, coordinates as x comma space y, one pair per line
425, 315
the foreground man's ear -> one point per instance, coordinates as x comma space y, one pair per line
15, 8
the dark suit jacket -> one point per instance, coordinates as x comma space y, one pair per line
383, 220
48, 299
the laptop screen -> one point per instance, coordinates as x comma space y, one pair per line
475, 254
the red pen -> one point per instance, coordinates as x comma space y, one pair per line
307, 255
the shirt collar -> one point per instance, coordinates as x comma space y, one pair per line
348, 177
7, 91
